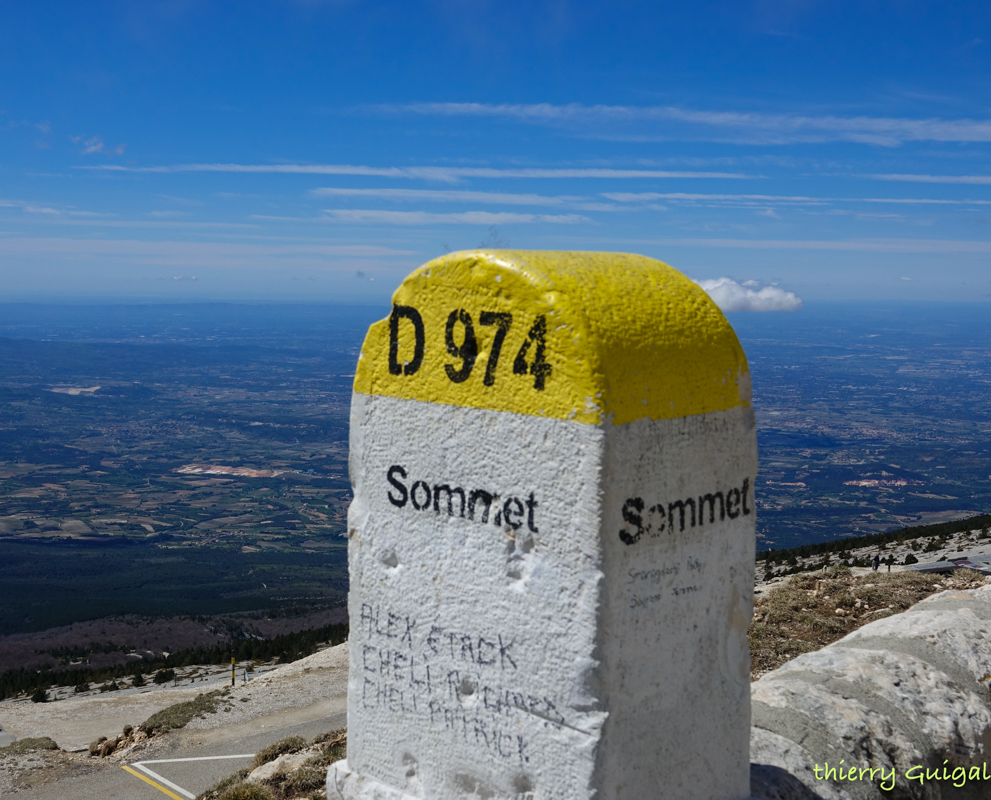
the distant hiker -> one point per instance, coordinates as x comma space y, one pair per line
889, 566
877, 560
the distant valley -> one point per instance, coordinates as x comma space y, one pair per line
206, 475
163, 461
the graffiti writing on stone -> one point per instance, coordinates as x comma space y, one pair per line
466, 683
663, 582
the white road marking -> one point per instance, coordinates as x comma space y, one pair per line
141, 766
200, 758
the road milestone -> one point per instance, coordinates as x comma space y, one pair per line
552, 536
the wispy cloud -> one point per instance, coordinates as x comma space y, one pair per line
645, 197
52, 215
918, 201
137, 223
981, 180
442, 174
460, 196
463, 218
220, 254
182, 201
732, 296
863, 245
645, 123
764, 199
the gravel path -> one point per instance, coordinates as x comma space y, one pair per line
309, 681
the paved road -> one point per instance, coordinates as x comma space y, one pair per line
110, 781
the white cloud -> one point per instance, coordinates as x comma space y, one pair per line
463, 218
93, 145
732, 296
442, 174
746, 127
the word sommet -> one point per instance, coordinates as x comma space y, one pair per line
661, 517
442, 496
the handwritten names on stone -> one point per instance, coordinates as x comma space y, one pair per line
466, 683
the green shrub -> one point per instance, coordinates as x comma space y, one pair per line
164, 676
40, 695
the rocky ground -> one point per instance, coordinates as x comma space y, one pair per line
37, 761
958, 545
807, 611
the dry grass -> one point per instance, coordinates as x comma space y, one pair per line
179, 715
23, 746
291, 744
802, 616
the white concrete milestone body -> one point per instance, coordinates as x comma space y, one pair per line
551, 538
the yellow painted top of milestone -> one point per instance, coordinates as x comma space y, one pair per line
592, 337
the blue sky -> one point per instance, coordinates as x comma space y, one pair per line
321, 150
